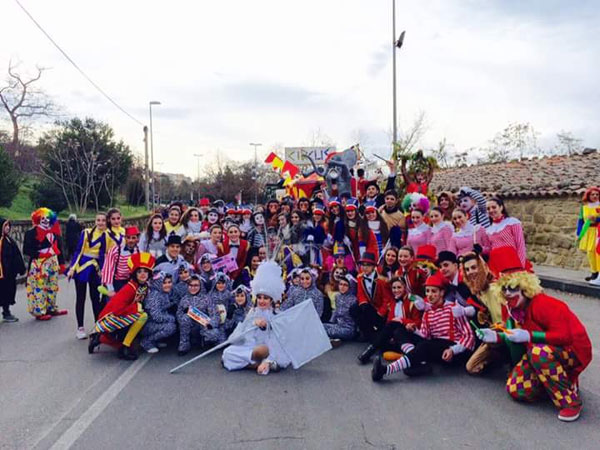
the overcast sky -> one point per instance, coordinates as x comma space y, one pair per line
274, 71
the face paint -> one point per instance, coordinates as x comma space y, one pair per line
466, 203
514, 297
213, 217
259, 219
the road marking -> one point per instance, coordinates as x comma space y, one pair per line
74, 432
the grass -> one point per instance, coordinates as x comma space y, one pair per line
22, 207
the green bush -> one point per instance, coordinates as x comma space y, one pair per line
10, 178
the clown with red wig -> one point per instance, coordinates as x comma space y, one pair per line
42, 244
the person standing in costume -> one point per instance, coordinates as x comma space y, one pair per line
467, 236
587, 231
172, 259
472, 202
115, 271
85, 269
505, 231
114, 231
192, 223
173, 225
394, 219
11, 265
557, 346
154, 239
124, 313
42, 244
445, 201
441, 231
236, 248
420, 233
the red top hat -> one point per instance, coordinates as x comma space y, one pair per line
506, 260
426, 253
204, 202
436, 280
368, 258
132, 231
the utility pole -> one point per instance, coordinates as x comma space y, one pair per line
255, 145
395, 135
146, 171
198, 156
396, 44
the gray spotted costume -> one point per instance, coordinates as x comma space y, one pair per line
341, 325
189, 327
298, 295
236, 313
179, 291
160, 324
221, 299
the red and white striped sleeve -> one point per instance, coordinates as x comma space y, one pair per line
108, 269
466, 336
424, 331
519, 239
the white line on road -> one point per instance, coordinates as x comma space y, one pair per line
70, 436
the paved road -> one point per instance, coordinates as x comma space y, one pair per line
54, 395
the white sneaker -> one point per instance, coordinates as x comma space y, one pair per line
595, 282
152, 350
81, 334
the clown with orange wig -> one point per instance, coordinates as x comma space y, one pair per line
42, 244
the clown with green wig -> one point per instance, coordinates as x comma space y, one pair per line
42, 244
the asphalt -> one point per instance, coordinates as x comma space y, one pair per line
567, 280
54, 395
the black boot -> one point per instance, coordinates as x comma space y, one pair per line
94, 342
365, 356
593, 276
127, 353
379, 369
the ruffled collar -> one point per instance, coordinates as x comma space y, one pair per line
438, 227
418, 230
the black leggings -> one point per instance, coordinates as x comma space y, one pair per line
392, 336
80, 288
368, 320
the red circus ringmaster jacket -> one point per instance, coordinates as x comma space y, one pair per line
382, 295
562, 327
127, 301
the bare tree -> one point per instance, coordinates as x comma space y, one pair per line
567, 143
317, 138
516, 140
409, 138
22, 101
441, 154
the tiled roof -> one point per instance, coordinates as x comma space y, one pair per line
536, 177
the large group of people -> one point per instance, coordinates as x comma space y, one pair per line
419, 280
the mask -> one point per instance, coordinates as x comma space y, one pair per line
213, 217
466, 203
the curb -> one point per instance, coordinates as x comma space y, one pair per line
573, 287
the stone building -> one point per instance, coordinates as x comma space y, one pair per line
544, 193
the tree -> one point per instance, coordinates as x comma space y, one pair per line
22, 101
516, 140
49, 195
567, 143
441, 155
461, 158
408, 139
85, 162
10, 179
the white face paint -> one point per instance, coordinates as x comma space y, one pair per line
259, 219
514, 297
466, 203
45, 222
213, 217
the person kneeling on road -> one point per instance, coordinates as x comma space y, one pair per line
124, 310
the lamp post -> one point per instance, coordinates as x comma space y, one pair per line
146, 175
152, 152
198, 156
255, 145
396, 43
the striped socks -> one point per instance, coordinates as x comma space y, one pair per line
406, 348
398, 365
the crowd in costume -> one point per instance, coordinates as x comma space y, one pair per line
420, 280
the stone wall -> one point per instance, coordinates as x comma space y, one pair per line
19, 227
549, 225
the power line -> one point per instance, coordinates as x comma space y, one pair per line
76, 66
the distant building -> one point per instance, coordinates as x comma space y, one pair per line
176, 178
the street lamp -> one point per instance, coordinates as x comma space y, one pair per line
255, 145
396, 43
198, 156
152, 152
